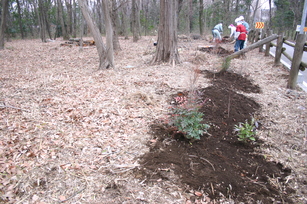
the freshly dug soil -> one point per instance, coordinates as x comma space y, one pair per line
218, 164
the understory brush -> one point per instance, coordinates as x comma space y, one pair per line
185, 115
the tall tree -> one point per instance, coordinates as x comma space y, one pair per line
20, 20
135, 20
167, 49
115, 21
109, 31
69, 17
105, 61
201, 14
61, 18
125, 20
5, 5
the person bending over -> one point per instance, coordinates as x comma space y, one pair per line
216, 32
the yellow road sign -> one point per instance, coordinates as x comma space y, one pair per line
259, 25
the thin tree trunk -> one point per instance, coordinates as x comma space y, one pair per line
109, 31
19, 20
5, 5
74, 26
125, 21
104, 62
69, 16
114, 20
135, 20
64, 30
42, 21
201, 16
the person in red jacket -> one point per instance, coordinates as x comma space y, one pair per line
240, 34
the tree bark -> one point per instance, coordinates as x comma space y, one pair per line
69, 16
42, 21
109, 31
114, 22
104, 62
19, 20
167, 50
135, 20
201, 16
64, 30
5, 5
226, 62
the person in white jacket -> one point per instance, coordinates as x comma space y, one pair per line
232, 30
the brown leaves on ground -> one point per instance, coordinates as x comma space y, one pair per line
74, 134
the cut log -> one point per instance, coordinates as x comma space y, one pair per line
75, 39
215, 50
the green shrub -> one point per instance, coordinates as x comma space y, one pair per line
246, 131
189, 122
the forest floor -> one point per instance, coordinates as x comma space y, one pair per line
73, 134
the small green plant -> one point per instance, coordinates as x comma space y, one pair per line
246, 131
185, 116
189, 122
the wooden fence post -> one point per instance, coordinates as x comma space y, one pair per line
268, 45
262, 37
297, 58
278, 52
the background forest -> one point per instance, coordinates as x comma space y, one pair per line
50, 19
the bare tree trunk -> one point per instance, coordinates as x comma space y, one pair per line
270, 22
125, 21
19, 20
104, 62
69, 16
5, 5
167, 50
109, 31
64, 30
201, 16
255, 11
135, 20
42, 21
74, 27
114, 21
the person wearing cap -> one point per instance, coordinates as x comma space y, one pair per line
240, 34
246, 25
216, 32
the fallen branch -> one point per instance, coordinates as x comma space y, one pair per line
8, 106
73, 195
204, 160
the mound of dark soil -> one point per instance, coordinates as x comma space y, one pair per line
218, 164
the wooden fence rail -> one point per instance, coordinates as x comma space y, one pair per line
296, 61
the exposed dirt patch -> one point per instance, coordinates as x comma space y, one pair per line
70, 133
218, 165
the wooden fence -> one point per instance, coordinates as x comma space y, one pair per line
254, 36
258, 39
